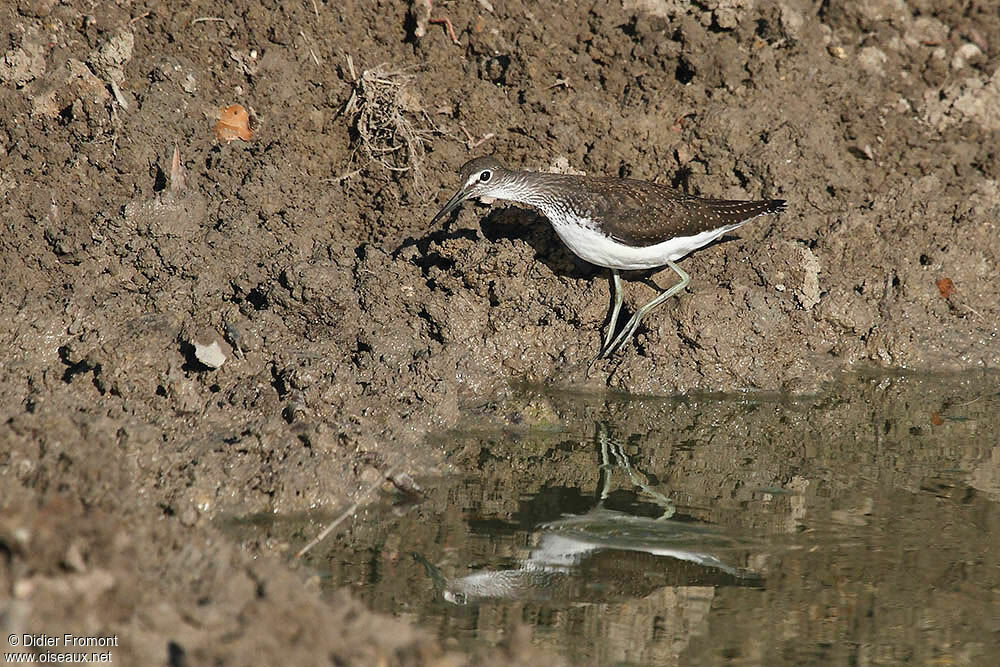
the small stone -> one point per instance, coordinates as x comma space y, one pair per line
210, 355
190, 84
964, 54
370, 475
792, 21
872, 59
561, 165
208, 350
188, 516
926, 31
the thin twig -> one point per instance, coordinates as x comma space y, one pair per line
346, 513
451, 30
309, 46
342, 177
973, 311
118, 95
473, 144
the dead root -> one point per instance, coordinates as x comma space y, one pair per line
390, 125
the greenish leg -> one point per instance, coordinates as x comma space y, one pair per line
605, 474
619, 291
609, 448
629, 329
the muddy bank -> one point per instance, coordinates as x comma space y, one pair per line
350, 329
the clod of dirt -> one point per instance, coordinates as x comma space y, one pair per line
421, 11
26, 63
108, 61
168, 214
60, 88
970, 99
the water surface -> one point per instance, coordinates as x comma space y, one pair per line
856, 527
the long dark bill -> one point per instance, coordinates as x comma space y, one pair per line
450, 206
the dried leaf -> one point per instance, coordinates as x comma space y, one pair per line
234, 123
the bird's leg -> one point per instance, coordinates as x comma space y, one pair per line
619, 292
605, 474
613, 448
629, 329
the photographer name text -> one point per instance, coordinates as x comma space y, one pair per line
67, 640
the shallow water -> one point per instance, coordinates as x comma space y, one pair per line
860, 526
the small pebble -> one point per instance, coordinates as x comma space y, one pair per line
211, 354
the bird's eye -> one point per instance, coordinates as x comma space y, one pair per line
485, 176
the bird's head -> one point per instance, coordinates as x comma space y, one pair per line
481, 177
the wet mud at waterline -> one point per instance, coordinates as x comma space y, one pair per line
223, 297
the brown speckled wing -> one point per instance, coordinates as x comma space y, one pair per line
640, 213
